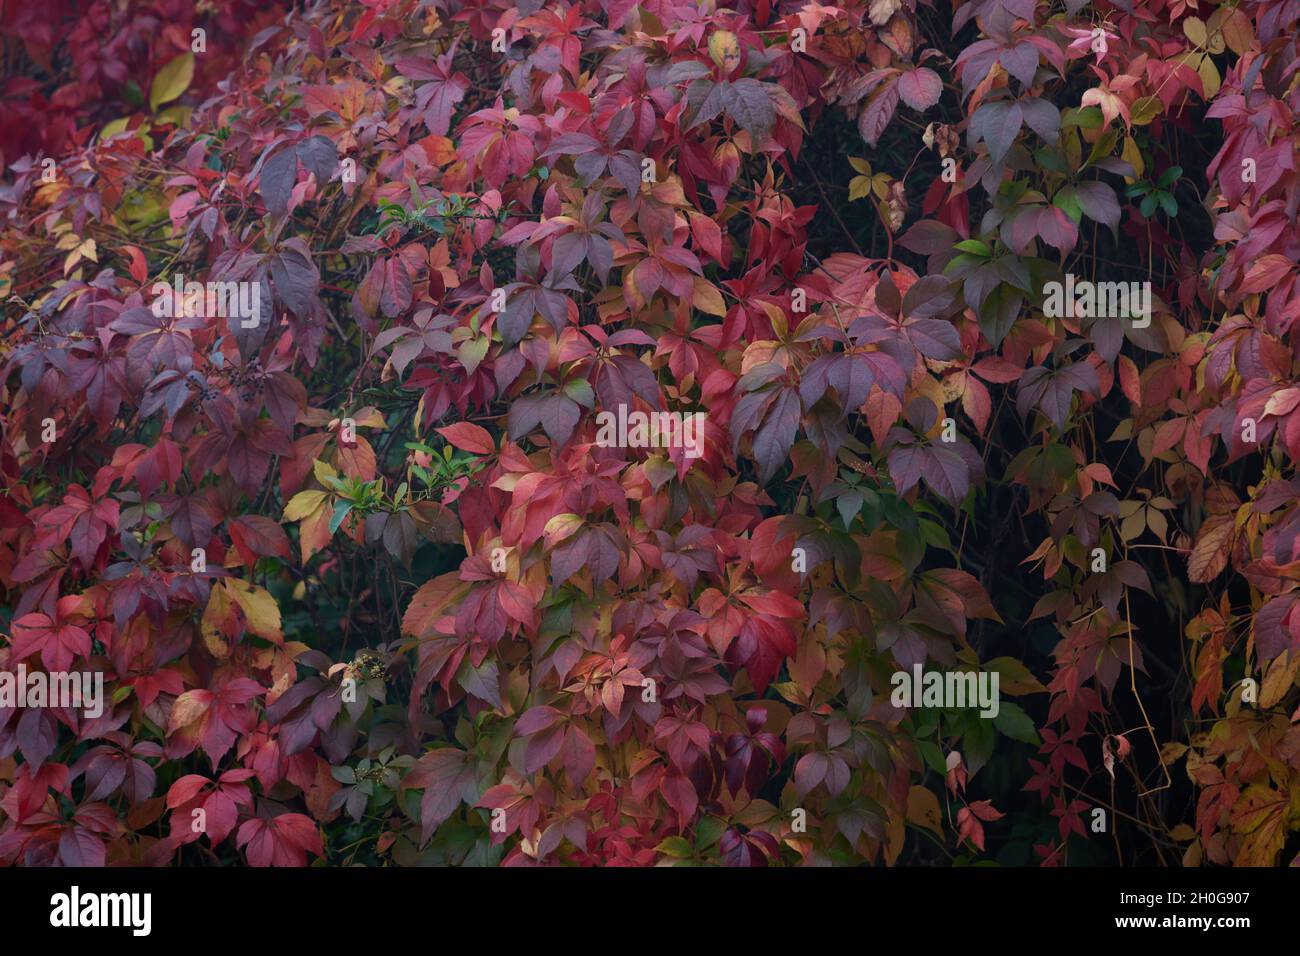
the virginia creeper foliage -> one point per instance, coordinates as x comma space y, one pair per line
365, 587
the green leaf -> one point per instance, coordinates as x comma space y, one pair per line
172, 80
472, 352
1087, 117
341, 509
708, 832
933, 756
935, 535
1013, 722
579, 389
1067, 200
974, 247
132, 93
675, 846
1145, 110
956, 263
1104, 146
998, 312
1051, 160
979, 740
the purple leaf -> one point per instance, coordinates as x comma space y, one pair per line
774, 437
997, 124
1098, 202
921, 88
277, 178
877, 113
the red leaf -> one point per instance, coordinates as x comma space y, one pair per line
469, 437
257, 536
285, 840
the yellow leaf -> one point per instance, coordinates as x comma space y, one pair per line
1215, 42
1194, 28
188, 708
1157, 523
172, 80
895, 832
323, 470
1210, 78
112, 128
215, 617
880, 11
314, 533
1133, 156
861, 165
923, 809
1172, 752
1259, 813
724, 50
707, 298
1014, 678
859, 186
776, 316
1211, 551
1279, 679
470, 353
560, 527
1131, 528
179, 115
259, 607
302, 504
369, 417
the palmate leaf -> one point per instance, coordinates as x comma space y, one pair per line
747, 101
852, 375
946, 469
1052, 391
773, 438
610, 646
447, 777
